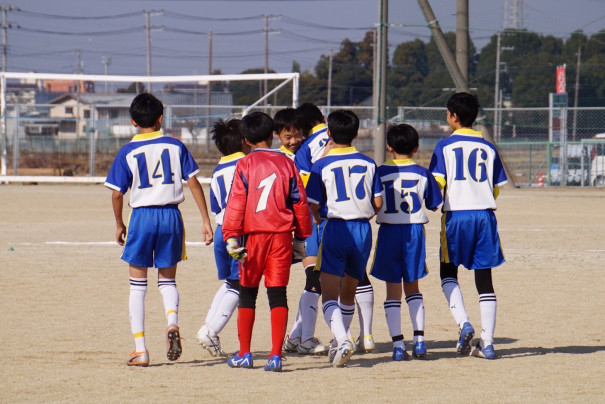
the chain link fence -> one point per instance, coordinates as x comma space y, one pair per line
81, 139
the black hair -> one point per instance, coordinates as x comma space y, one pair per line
402, 138
343, 126
256, 127
286, 119
466, 106
309, 115
145, 110
226, 136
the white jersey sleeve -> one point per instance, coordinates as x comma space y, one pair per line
220, 184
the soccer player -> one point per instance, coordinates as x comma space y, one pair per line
303, 331
153, 167
288, 131
266, 204
343, 187
470, 171
400, 248
231, 144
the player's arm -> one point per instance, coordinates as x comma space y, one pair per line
377, 203
117, 201
233, 220
300, 207
315, 211
200, 200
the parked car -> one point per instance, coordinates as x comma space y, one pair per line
597, 161
577, 170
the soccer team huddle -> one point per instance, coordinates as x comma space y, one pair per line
311, 201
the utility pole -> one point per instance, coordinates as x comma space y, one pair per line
208, 89
267, 18
462, 38
148, 29
78, 71
576, 93
106, 61
497, 91
5, 27
381, 98
330, 82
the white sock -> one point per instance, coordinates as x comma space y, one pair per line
226, 307
308, 312
453, 294
215, 302
488, 306
392, 312
364, 297
297, 326
348, 311
416, 308
170, 295
136, 306
333, 317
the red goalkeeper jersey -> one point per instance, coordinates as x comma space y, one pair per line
267, 196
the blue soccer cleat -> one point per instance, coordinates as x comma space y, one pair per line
236, 361
463, 347
486, 353
400, 354
419, 351
273, 364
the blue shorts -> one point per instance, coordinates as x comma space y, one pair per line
345, 247
227, 266
314, 240
155, 237
400, 253
470, 238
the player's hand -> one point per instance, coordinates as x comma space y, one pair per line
207, 233
121, 234
298, 248
234, 250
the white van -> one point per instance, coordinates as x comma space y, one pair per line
597, 161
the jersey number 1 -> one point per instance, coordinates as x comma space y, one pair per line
266, 184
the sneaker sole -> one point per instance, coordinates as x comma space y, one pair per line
174, 344
419, 356
344, 359
465, 348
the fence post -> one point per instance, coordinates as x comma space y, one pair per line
93, 110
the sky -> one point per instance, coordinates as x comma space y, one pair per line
50, 36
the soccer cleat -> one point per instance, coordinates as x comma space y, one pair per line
138, 359
365, 344
291, 345
173, 340
419, 351
333, 349
485, 353
211, 343
463, 347
236, 361
400, 354
312, 346
273, 364
343, 354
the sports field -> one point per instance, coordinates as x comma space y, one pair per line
65, 334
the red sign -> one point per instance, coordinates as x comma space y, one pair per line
561, 79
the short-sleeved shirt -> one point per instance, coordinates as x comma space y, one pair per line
406, 186
220, 184
153, 166
470, 168
312, 149
344, 182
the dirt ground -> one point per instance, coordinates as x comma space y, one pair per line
66, 336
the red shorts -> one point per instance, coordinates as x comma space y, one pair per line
269, 254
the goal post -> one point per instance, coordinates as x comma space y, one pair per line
88, 89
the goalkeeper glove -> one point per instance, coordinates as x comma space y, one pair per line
234, 250
298, 248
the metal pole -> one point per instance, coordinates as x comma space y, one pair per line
266, 55
379, 139
16, 142
497, 85
330, 82
3, 122
576, 93
148, 28
208, 89
462, 37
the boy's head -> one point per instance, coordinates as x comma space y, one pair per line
343, 126
257, 127
288, 129
402, 139
146, 111
466, 108
309, 115
227, 137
